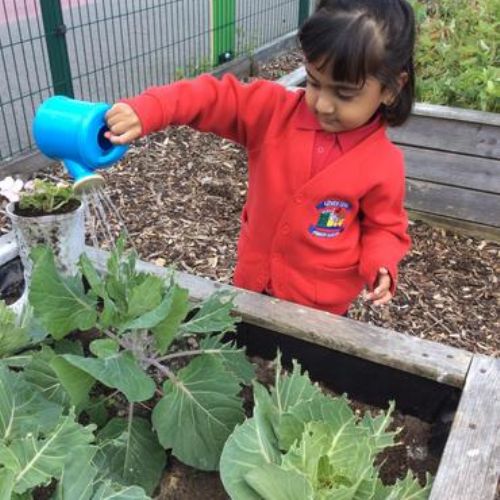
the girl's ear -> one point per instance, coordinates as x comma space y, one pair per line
390, 96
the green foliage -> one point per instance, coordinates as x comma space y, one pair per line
204, 397
457, 53
135, 319
47, 197
17, 333
301, 444
131, 453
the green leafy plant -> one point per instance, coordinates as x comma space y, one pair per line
457, 53
42, 442
302, 444
141, 325
17, 332
47, 197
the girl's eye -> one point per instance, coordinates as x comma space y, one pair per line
345, 97
313, 84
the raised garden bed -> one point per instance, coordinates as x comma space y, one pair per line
427, 381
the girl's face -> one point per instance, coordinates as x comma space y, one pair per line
341, 106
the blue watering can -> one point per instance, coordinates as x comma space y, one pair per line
73, 132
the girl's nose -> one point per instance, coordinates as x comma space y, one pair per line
324, 105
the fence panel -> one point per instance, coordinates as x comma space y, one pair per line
101, 50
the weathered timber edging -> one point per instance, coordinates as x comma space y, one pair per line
445, 364
452, 165
470, 466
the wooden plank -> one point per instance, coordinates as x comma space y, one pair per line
439, 362
470, 465
470, 172
294, 79
449, 135
460, 114
25, 165
461, 204
458, 226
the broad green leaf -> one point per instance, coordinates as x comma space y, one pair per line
341, 461
214, 315
174, 304
165, 331
234, 358
78, 477
17, 361
251, 445
6, 484
97, 411
120, 371
132, 455
67, 346
92, 276
23, 408
198, 412
377, 428
145, 296
292, 389
35, 460
404, 489
104, 348
59, 302
41, 374
271, 482
76, 382
321, 408
12, 336
113, 491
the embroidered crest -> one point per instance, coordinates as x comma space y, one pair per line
331, 218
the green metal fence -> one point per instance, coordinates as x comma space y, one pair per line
101, 50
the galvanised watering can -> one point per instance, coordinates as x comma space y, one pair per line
73, 131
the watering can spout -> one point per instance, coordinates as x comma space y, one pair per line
84, 178
73, 132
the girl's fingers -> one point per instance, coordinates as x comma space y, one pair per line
383, 300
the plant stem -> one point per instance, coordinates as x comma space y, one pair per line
194, 352
163, 369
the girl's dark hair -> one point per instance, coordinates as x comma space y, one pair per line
362, 38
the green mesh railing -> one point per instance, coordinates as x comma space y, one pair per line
101, 50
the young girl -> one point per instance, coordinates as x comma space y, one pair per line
324, 213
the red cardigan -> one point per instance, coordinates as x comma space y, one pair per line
318, 240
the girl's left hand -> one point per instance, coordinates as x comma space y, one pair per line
381, 295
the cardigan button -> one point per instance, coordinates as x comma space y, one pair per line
285, 229
299, 199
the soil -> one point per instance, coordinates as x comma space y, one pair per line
414, 452
71, 206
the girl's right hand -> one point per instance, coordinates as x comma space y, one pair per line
123, 123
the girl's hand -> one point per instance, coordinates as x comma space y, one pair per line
124, 125
381, 294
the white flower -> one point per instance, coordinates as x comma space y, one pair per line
10, 188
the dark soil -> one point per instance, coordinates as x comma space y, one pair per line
71, 206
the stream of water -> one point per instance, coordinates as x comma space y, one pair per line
103, 220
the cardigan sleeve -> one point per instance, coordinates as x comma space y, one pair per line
384, 225
227, 107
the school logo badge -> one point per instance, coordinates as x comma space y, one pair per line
331, 218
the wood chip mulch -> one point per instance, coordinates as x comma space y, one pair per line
180, 193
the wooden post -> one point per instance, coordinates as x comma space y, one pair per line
470, 465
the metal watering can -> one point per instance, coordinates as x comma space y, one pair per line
73, 132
